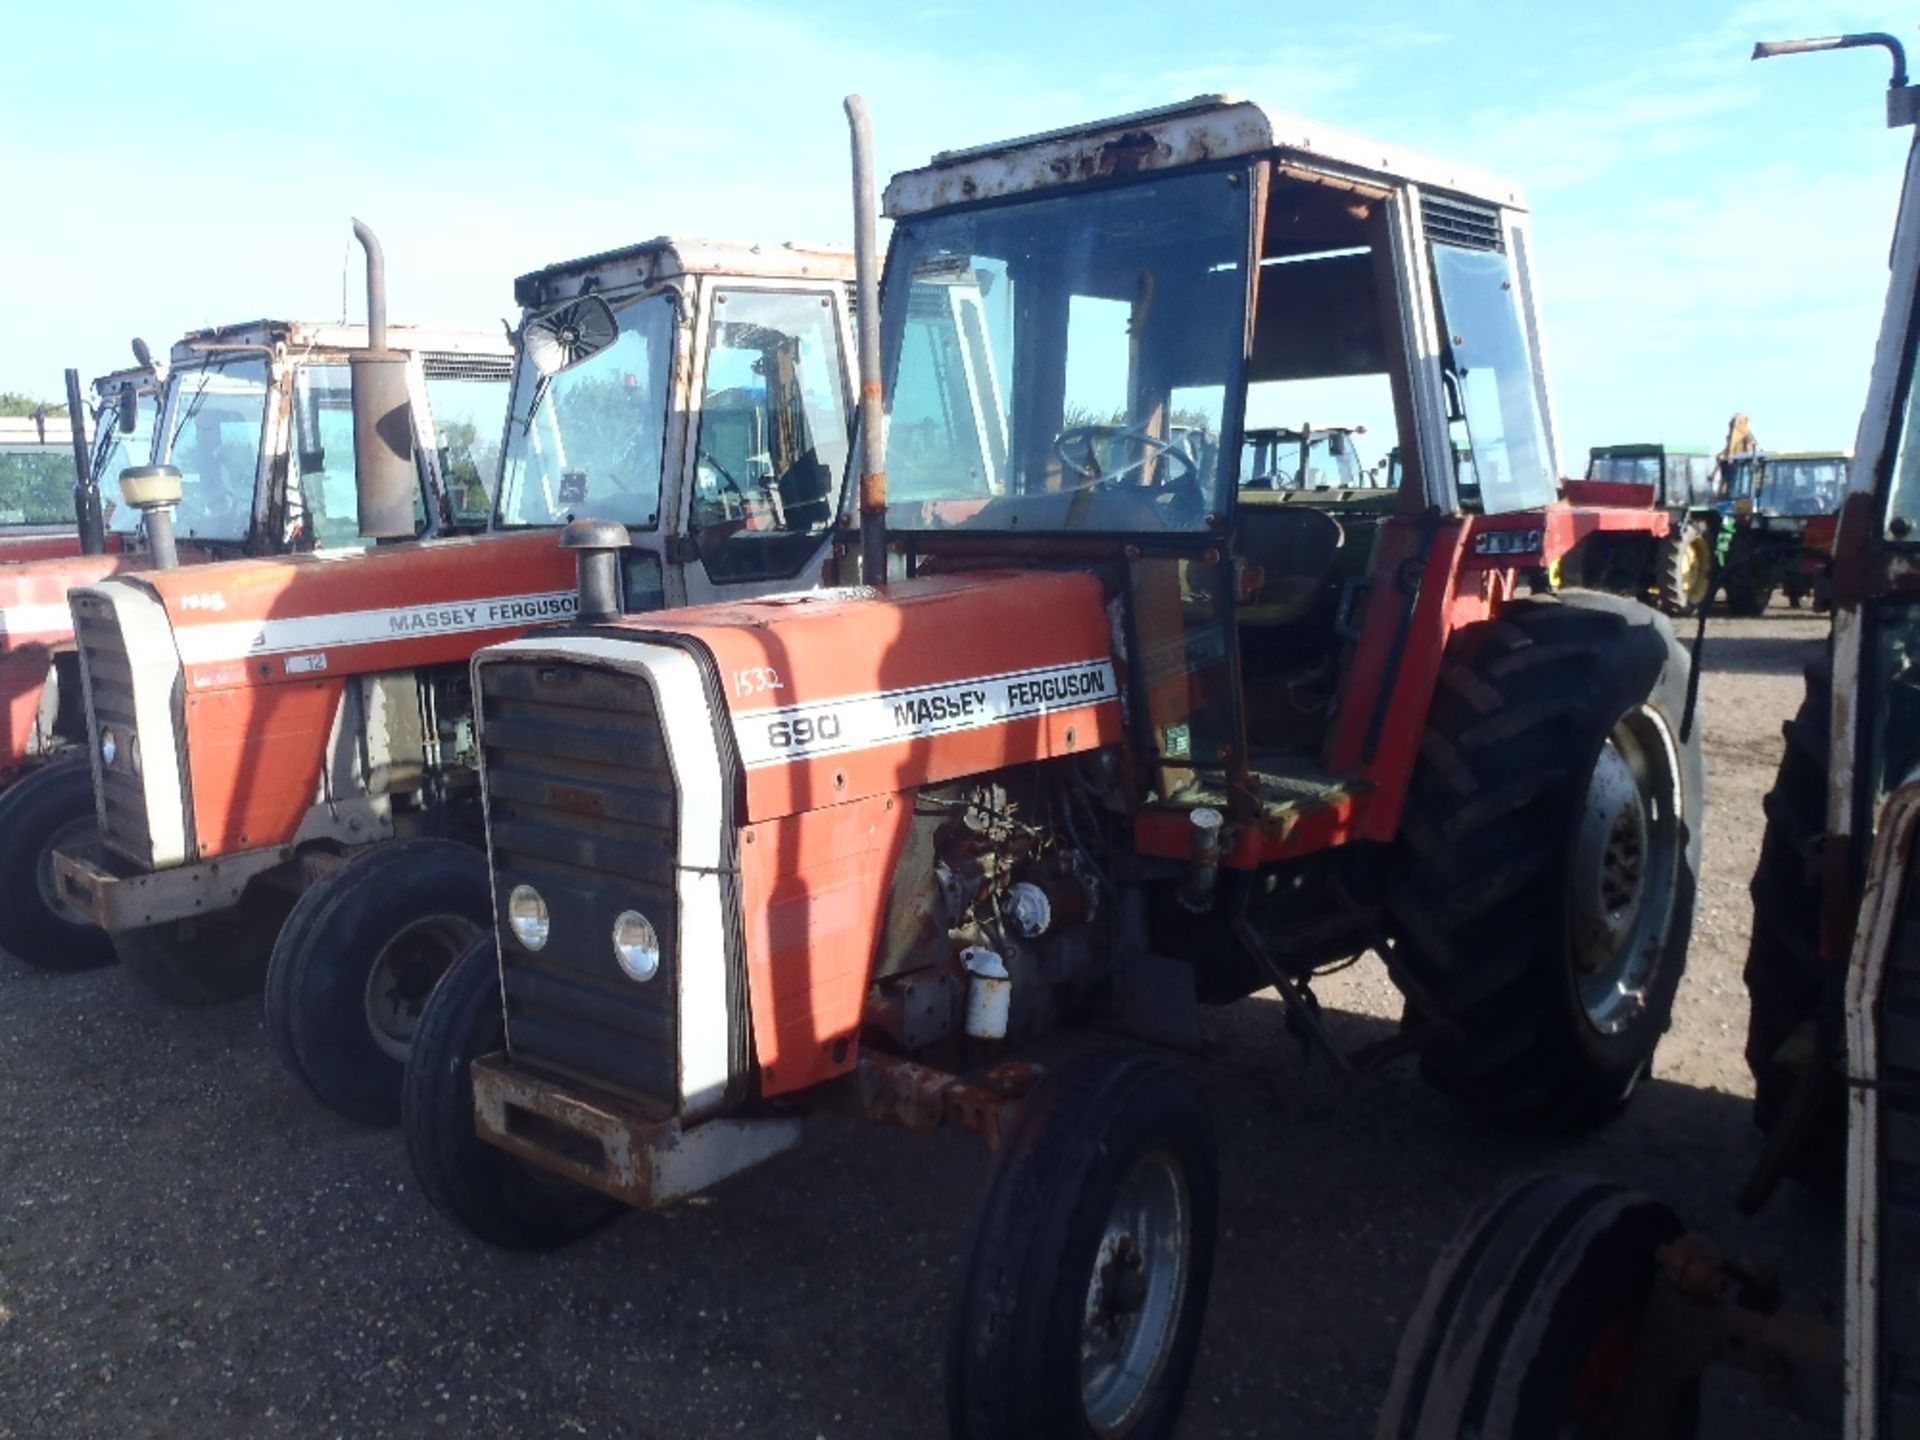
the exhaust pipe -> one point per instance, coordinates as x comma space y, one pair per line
596, 546
1903, 99
86, 486
386, 481
873, 442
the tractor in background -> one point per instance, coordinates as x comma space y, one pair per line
307, 813
1106, 733
1572, 1306
1674, 566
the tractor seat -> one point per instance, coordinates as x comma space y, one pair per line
1295, 548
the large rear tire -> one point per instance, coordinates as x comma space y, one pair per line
208, 959
43, 811
1550, 853
1683, 574
1748, 579
1529, 1322
1793, 1004
486, 1191
356, 961
1086, 1283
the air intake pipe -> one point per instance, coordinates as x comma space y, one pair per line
386, 479
596, 546
154, 490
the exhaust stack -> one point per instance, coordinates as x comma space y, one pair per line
873, 440
385, 478
86, 486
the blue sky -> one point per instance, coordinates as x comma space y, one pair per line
1711, 233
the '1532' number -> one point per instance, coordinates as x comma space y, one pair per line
756, 680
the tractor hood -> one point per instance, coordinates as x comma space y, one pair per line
837, 695
33, 596
297, 618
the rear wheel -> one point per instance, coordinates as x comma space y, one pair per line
1532, 1323
1081, 1303
46, 810
486, 1191
1550, 855
1684, 569
212, 958
356, 962
1793, 1022
1748, 579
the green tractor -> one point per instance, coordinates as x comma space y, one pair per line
1779, 512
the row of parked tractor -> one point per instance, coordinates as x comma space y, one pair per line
767, 723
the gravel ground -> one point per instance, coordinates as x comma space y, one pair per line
189, 1246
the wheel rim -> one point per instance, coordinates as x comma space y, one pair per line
78, 829
404, 974
1696, 565
1135, 1294
1625, 872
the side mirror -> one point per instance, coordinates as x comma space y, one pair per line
128, 404
559, 338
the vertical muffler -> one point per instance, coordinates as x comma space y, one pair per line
385, 475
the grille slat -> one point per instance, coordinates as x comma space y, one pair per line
120, 797
1457, 222
581, 804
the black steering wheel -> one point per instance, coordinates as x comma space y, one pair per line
1086, 464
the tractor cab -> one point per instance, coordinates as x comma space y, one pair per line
695, 393
1279, 457
1680, 477
1802, 485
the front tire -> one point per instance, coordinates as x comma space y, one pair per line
486, 1191
1550, 853
1531, 1321
46, 810
1086, 1283
358, 958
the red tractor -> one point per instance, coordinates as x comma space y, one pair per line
1572, 1306
283, 747
1105, 736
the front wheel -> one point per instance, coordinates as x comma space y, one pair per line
486, 1191
358, 958
1550, 852
1081, 1303
47, 810
1533, 1322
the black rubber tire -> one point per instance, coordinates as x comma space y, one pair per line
1788, 988
1671, 569
1481, 898
322, 964
1523, 1315
35, 811
1013, 1359
486, 1191
208, 959
1747, 580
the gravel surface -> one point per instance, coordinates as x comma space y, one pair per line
190, 1246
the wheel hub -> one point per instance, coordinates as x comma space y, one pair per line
1624, 872
403, 976
1135, 1294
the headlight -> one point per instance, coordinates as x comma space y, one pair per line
109, 748
636, 945
527, 916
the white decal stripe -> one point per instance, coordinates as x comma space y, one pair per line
244, 639
891, 717
35, 619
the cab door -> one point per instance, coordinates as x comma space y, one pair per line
766, 438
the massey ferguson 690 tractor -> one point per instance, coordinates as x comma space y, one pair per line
301, 727
1103, 736
252, 430
1570, 1306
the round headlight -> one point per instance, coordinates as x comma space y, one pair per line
527, 916
109, 748
636, 945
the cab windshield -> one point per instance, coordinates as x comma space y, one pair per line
587, 439
1625, 469
1065, 363
211, 431
115, 449
1300, 460
1804, 487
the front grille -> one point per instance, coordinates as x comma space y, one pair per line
119, 796
581, 804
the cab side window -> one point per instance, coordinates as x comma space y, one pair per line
772, 437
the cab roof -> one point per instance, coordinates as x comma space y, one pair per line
332, 335
1842, 455
1172, 137
670, 257
1651, 447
